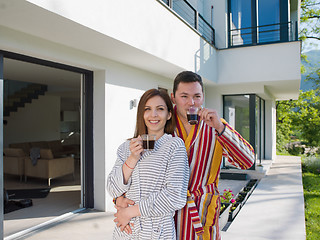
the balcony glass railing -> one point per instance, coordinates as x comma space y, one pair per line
193, 18
281, 32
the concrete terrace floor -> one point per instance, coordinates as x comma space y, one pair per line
274, 211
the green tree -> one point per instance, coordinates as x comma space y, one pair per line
310, 15
305, 117
299, 118
310, 30
284, 128
314, 77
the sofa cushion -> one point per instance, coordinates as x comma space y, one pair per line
13, 152
46, 154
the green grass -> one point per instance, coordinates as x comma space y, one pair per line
311, 186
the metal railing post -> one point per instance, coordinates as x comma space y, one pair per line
213, 37
170, 3
196, 20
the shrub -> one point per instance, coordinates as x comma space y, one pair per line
296, 150
311, 164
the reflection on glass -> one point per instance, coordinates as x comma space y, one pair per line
236, 113
240, 22
269, 18
250, 26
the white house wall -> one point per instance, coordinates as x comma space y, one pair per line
146, 26
276, 66
270, 129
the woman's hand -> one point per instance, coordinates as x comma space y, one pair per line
131, 162
136, 148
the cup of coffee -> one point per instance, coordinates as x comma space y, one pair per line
148, 141
192, 115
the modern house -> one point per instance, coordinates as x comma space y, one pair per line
95, 59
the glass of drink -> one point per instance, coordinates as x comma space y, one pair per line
148, 141
192, 115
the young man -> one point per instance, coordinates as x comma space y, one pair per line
206, 143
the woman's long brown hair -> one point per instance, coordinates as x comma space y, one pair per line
141, 127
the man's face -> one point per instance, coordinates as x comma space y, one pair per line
187, 95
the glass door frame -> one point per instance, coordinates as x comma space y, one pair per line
253, 117
1, 147
86, 123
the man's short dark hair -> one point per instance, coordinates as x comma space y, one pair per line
186, 77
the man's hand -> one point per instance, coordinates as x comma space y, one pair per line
122, 218
123, 202
124, 215
211, 118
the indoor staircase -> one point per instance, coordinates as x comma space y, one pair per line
21, 97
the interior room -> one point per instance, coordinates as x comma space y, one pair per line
41, 142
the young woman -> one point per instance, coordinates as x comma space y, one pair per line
155, 180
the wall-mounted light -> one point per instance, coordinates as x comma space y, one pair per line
133, 103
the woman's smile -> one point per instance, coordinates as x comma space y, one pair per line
156, 116
154, 121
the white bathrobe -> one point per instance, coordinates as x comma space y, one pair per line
158, 184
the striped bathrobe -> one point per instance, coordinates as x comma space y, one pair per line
205, 148
158, 183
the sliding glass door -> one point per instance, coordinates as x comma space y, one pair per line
245, 113
46, 106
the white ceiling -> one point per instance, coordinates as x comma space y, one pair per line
60, 82
35, 73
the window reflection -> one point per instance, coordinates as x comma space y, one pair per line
237, 110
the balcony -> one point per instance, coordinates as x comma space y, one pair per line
281, 32
193, 18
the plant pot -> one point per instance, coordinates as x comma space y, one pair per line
234, 212
224, 215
